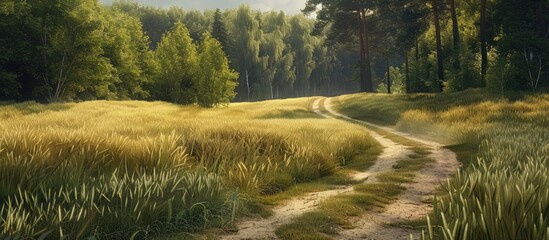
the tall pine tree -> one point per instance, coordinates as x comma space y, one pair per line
219, 31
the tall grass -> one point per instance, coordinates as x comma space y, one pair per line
504, 194
116, 170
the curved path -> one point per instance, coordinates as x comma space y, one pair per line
412, 203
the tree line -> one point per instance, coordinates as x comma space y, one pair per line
67, 50
64, 50
435, 45
276, 55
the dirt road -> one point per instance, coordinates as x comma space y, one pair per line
412, 204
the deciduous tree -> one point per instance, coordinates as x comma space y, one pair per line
246, 50
177, 59
214, 82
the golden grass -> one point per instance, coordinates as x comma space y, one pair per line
181, 168
337, 213
503, 193
447, 117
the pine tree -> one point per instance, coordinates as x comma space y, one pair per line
345, 19
219, 31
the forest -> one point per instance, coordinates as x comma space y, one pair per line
354, 119
82, 50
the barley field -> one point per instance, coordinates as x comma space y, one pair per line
132, 170
503, 190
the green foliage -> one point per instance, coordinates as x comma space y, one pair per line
9, 86
219, 31
177, 58
246, 37
498, 73
524, 39
214, 80
272, 48
299, 40
197, 22
324, 61
10, 51
45, 53
74, 65
78, 50
155, 21
398, 81
189, 76
107, 55
466, 75
126, 46
72, 49
277, 57
348, 22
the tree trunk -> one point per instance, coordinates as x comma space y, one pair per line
483, 51
369, 85
271, 89
417, 50
455, 33
416, 73
439, 46
248, 85
46, 76
365, 71
407, 71
529, 58
388, 74
362, 57
455, 26
60, 82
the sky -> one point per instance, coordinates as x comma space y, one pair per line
288, 6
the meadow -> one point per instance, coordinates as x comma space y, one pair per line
134, 170
503, 190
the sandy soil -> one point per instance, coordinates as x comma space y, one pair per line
413, 203
264, 228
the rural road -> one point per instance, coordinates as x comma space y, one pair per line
378, 224
415, 202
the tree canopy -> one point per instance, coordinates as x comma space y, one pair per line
81, 50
